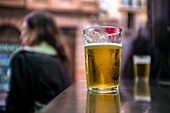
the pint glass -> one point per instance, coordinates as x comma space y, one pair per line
142, 67
103, 46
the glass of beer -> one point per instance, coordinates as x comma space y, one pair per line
141, 67
103, 48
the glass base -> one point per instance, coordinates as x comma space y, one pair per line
142, 98
104, 90
137, 79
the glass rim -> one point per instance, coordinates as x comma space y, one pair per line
95, 27
143, 55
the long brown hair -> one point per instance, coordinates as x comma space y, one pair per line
43, 28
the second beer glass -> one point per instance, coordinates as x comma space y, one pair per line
141, 67
103, 46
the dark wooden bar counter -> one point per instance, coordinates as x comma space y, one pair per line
132, 98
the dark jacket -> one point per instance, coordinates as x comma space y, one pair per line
142, 45
35, 80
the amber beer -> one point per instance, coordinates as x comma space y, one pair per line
142, 67
103, 64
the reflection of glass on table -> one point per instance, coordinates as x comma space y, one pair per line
142, 91
103, 103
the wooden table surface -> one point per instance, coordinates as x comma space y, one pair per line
76, 99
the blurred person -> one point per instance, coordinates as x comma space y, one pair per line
162, 39
38, 68
142, 45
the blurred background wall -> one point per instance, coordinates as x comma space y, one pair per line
72, 16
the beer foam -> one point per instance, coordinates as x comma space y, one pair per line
141, 59
94, 44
